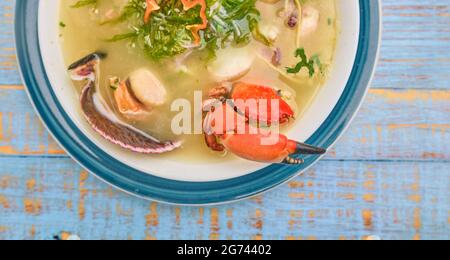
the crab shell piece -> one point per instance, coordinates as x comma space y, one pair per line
223, 119
263, 97
114, 131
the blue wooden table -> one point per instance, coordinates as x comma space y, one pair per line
389, 176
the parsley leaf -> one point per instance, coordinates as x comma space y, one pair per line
230, 22
304, 63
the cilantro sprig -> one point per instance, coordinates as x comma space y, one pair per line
304, 63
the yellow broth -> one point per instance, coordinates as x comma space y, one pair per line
82, 33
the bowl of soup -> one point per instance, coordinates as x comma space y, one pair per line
197, 101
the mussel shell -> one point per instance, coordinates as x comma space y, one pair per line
120, 134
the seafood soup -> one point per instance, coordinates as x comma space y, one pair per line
143, 66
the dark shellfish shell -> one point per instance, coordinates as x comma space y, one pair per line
120, 134
115, 132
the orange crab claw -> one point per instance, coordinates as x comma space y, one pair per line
226, 129
245, 92
252, 147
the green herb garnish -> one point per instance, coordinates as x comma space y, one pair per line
230, 22
114, 83
165, 35
318, 63
304, 63
233, 21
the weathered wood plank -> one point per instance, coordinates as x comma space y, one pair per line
8, 64
414, 52
383, 130
399, 125
388, 176
394, 200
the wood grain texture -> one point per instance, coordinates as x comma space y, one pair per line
415, 45
388, 176
334, 200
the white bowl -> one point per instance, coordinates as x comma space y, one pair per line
315, 115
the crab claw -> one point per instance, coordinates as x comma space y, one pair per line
249, 92
282, 150
227, 128
109, 127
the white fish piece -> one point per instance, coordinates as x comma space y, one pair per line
147, 88
310, 20
231, 63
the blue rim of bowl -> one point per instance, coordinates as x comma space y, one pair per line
147, 186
